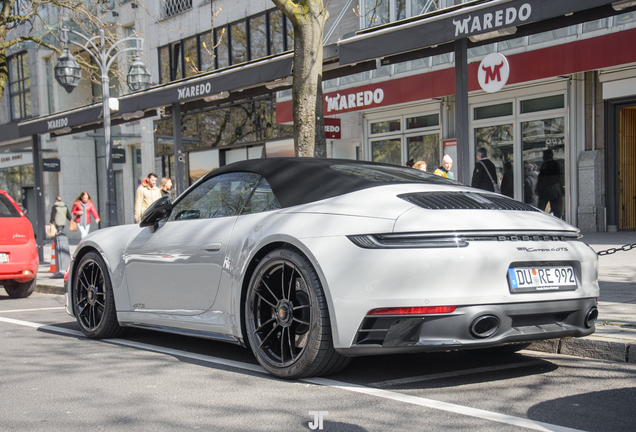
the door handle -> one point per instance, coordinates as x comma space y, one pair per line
211, 247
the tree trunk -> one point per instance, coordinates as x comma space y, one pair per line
308, 18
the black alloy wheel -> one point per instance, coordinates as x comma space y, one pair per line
287, 318
93, 299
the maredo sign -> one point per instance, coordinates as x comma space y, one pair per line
493, 72
332, 128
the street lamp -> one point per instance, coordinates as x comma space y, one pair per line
68, 74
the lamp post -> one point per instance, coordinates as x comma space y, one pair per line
68, 74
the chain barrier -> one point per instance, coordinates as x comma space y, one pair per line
611, 251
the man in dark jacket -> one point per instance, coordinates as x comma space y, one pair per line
59, 214
483, 167
549, 186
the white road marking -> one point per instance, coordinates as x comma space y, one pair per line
384, 394
411, 380
32, 310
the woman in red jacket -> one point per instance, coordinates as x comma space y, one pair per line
83, 207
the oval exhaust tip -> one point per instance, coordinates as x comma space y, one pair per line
591, 316
484, 326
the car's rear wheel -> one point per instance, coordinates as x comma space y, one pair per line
287, 318
93, 299
20, 290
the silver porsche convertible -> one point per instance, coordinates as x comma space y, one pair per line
309, 262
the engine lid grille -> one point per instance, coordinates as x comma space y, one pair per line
464, 201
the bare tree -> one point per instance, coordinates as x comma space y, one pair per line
24, 21
308, 18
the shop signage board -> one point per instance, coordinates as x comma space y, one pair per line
469, 21
119, 155
8, 160
51, 165
332, 128
493, 72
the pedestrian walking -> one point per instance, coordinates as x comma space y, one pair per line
83, 208
165, 186
146, 194
59, 215
549, 186
485, 172
444, 170
420, 165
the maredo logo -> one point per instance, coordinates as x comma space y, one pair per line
493, 72
354, 100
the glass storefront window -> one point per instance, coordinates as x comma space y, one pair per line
595, 25
258, 37
222, 51
422, 121
411, 65
276, 23
387, 151
511, 44
385, 126
549, 182
190, 56
424, 148
164, 64
207, 52
552, 35
239, 43
492, 111
499, 141
542, 104
201, 163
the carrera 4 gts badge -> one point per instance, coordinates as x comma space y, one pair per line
559, 249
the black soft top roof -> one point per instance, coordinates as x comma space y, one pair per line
297, 181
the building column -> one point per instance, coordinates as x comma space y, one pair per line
461, 111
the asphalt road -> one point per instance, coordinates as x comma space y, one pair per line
54, 379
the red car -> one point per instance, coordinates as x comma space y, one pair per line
18, 252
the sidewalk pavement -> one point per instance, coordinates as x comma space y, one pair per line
615, 334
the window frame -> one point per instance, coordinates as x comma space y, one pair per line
23, 91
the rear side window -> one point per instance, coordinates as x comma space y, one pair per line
7, 209
262, 199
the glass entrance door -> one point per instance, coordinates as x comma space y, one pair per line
543, 144
499, 142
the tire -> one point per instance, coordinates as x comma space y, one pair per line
287, 318
502, 350
20, 290
93, 300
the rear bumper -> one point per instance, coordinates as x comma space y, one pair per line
22, 258
505, 323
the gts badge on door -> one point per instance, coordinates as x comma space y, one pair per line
139, 306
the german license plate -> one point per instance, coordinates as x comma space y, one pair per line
4, 258
548, 278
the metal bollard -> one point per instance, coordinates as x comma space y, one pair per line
62, 256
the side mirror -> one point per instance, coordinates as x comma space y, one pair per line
158, 210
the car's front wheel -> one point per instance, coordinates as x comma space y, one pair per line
20, 290
287, 319
93, 299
